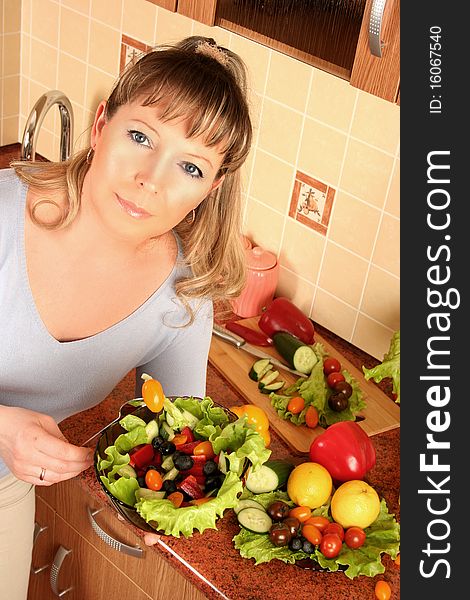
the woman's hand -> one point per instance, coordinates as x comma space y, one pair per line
31, 445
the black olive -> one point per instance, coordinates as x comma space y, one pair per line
157, 442
141, 481
293, 523
278, 510
295, 544
151, 467
167, 448
210, 468
308, 547
344, 388
280, 534
338, 402
169, 486
213, 482
183, 462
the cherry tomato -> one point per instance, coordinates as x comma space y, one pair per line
335, 528
344, 388
354, 537
311, 417
204, 448
382, 590
296, 405
179, 438
312, 534
176, 498
319, 522
338, 402
330, 545
153, 480
300, 512
255, 416
334, 378
152, 393
331, 365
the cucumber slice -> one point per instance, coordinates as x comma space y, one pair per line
259, 368
152, 430
299, 356
269, 477
272, 387
146, 494
166, 431
268, 378
127, 471
247, 503
167, 463
171, 474
255, 520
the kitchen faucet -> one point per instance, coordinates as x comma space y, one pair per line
36, 117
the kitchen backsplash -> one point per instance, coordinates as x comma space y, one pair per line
321, 185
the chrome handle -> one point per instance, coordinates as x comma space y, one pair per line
56, 565
375, 27
38, 529
107, 539
231, 338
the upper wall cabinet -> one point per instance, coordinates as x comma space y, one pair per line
358, 40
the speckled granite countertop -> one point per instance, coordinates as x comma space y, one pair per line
223, 573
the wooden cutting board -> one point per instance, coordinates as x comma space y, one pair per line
381, 413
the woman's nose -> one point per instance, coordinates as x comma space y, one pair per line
147, 183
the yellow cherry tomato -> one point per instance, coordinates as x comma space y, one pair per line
152, 393
255, 416
301, 512
204, 449
383, 591
296, 405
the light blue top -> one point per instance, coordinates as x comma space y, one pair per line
38, 372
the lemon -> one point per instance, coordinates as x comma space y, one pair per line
309, 484
355, 504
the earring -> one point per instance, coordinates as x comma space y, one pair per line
191, 220
89, 156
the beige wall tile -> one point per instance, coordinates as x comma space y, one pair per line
43, 65
11, 54
74, 33
98, 88
343, 274
301, 250
45, 21
82, 6
46, 144
72, 78
25, 52
331, 100
288, 80
298, 290
280, 131
387, 248
256, 58
333, 314
392, 204
221, 36
376, 122
107, 12
371, 336
272, 181
263, 226
105, 48
25, 16
366, 173
245, 171
25, 103
11, 96
381, 299
11, 16
321, 152
138, 20
172, 27
10, 133
354, 224
81, 139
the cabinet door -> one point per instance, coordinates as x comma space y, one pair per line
43, 552
168, 4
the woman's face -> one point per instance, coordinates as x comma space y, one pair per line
146, 175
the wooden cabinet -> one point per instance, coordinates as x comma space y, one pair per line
81, 561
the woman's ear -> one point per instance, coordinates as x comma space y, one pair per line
98, 123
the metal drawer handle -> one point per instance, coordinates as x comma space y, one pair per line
38, 529
107, 539
56, 565
375, 27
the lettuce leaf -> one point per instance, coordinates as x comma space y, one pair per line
389, 367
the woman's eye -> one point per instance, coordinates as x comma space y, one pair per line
139, 138
192, 170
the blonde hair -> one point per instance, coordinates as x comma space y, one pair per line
205, 84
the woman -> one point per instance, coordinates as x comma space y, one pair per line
111, 261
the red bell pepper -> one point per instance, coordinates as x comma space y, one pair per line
257, 338
191, 487
188, 447
141, 456
282, 315
345, 450
188, 432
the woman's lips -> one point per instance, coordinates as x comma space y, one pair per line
132, 209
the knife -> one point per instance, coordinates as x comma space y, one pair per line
240, 344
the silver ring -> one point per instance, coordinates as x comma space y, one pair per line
43, 474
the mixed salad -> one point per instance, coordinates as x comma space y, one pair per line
182, 469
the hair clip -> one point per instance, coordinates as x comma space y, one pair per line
213, 51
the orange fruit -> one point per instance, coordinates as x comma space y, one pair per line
309, 484
355, 504
255, 416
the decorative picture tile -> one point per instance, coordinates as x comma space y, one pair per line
311, 202
131, 50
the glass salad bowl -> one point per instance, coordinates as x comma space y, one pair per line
233, 448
